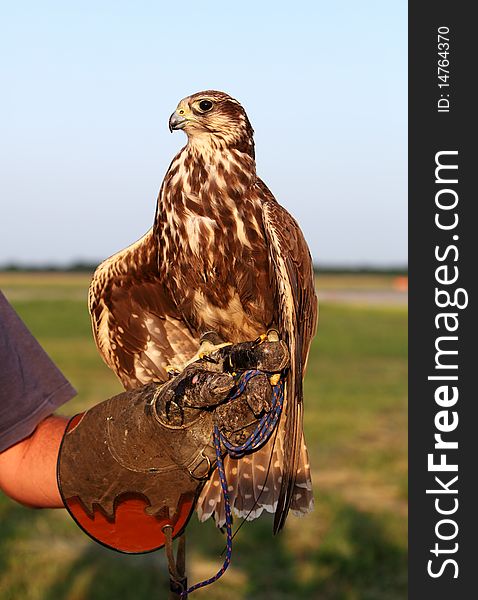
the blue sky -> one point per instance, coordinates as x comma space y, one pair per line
87, 90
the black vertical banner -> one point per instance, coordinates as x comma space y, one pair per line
443, 162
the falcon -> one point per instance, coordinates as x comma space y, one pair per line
222, 256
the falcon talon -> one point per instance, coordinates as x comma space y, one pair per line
210, 359
259, 340
172, 371
274, 379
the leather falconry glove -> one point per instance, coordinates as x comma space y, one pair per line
131, 468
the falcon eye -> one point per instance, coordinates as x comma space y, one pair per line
205, 105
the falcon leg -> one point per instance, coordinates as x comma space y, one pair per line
210, 342
176, 565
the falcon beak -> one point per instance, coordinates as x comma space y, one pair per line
176, 122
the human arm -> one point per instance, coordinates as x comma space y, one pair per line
31, 389
28, 468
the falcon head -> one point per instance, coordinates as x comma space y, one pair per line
214, 116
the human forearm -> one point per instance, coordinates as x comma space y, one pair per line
28, 469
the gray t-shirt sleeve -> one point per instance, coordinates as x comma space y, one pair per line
31, 386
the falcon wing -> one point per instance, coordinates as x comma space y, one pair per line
293, 280
135, 324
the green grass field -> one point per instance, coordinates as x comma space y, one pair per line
352, 547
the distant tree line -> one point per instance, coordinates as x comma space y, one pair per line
88, 267
400, 270
76, 267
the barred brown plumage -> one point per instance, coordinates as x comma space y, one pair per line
222, 256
